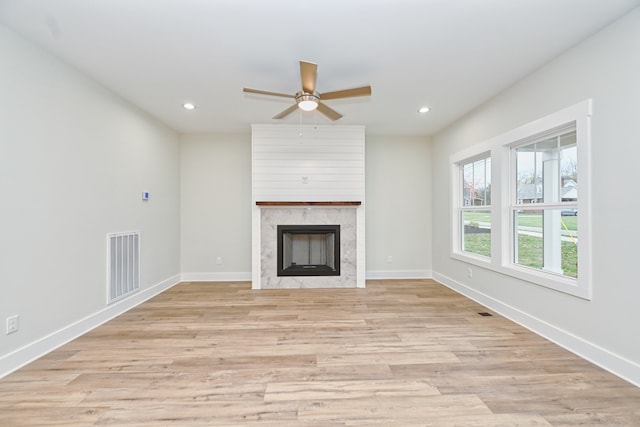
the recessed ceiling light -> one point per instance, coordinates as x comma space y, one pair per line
424, 110
189, 106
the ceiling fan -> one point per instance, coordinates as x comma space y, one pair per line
308, 99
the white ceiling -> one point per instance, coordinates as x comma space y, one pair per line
451, 55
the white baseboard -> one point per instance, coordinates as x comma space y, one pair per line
617, 365
30, 352
217, 277
399, 274
246, 276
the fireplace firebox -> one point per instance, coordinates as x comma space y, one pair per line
308, 250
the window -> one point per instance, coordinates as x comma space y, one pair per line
545, 204
475, 209
520, 217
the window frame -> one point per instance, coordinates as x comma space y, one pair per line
501, 149
462, 207
515, 205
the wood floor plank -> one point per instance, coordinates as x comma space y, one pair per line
332, 390
398, 353
395, 410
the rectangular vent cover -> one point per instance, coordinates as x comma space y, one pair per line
123, 265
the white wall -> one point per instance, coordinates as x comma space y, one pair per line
216, 206
74, 160
398, 219
606, 68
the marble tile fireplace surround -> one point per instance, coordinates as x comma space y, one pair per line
308, 176
344, 214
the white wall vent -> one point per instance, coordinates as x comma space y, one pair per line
123, 265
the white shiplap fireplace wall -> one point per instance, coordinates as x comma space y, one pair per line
313, 174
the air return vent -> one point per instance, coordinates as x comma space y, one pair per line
123, 265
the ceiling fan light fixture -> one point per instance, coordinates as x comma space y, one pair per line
308, 99
307, 102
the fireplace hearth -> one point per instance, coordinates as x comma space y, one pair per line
308, 250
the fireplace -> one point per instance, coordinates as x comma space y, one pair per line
311, 175
342, 265
308, 250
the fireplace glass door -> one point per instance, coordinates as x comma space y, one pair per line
308, 250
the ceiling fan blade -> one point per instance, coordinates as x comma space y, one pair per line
329, 112
266, 92
286, 112
347, 93
308, 74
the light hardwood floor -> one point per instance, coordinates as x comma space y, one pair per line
398, 353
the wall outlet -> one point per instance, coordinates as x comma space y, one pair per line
469, 272
219, 260
389, 259
12, 324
